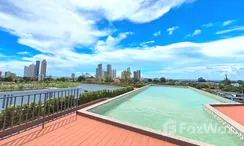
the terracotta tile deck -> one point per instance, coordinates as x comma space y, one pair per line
234, 112
81, 131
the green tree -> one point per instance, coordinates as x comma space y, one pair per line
81, 78
156, 80
201, 79
162, 80
63, 79
108, 79
126, 75
150, 80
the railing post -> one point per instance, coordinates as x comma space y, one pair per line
45, 105
5, 115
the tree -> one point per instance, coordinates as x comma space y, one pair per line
150, 80
27, 79
226, 82
156, 80
81, 78
201, 79
63, 79
108, 79
162, 80
8, 79
126, 75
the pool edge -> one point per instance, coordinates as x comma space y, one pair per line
139, 129
231, 124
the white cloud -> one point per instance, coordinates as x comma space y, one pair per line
23, 53
207, 70
144, 44
139, 11
157, 33
111, 42
172, 29
208, 24
239, 28
196, 32
147, 56
228, 22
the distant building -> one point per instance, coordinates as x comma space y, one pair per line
104, 74
99, 71
37, 67
114, 73
13, 75
96, 72
31, 70
73, 76
137, 75
7, 74
0, 74
41, 77
109, 71
232, 96
128, 69
44, 68
26, 71
10, 74
235, 84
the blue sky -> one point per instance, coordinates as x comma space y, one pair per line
178, 39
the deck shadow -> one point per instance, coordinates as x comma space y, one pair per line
38, 133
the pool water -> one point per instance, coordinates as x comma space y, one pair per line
173, 110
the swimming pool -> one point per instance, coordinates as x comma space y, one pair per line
173, 110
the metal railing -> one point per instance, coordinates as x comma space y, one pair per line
21, 112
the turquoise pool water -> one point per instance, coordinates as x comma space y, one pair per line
173, 110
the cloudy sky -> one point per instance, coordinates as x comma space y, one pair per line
179, 39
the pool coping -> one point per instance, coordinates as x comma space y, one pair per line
179, 140
231, 124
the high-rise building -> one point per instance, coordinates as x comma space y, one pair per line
73, 76
96, 72
104, 74
44, 68
10, 74
26, 71
128, 69
0, 74
134, 75
31, 70
109, 70
100, 70
114, 73
137, 75
7, 74
37, 67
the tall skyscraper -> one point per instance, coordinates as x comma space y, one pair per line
137, 75
100, 70
128, 69
109, 70
26, 71
7, 74
31, 70
44, 68
37, 67
73, 76
114, 73
96, 72
0, 74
